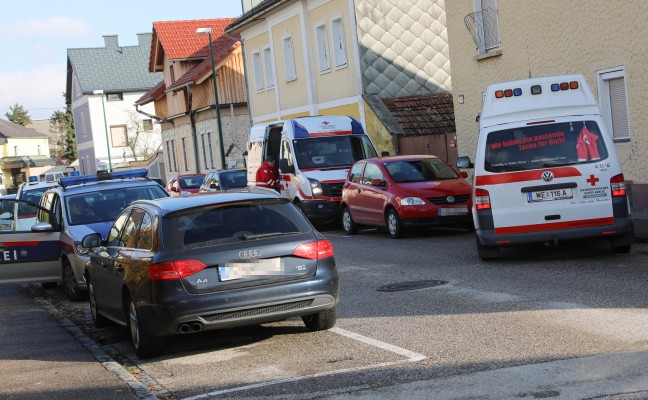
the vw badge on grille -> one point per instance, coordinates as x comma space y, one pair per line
249, 253
547, 176
450, 199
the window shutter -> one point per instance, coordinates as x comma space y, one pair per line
619, 109
289, 59
267, 63
490, 24
339, 51
322, 48
258, 77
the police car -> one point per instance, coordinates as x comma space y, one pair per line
49, 249
33, 190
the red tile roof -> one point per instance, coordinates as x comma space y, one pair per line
423, 115
180, 40
152, 94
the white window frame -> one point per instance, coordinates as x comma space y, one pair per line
258, 74
339, 42
484, 49
623, 133
322, 48
289, 58
267, 68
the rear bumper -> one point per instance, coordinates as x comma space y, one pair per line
241, 307
620, 227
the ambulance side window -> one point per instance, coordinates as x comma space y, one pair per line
286, 152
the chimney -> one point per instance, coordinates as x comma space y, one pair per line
144, 39
111, 41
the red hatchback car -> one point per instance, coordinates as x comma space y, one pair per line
405, 191
185, 183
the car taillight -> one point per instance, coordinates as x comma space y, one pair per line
482, 199
618, 186
174, 269
314, 250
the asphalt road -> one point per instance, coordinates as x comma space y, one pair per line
423, 317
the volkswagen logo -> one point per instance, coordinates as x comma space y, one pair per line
250, 253
450, 199
547, 176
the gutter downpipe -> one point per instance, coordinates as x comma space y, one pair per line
192, 119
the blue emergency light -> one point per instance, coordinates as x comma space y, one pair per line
300, 130
33, 179
78, 180
356, 127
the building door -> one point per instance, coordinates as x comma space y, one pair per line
443, 146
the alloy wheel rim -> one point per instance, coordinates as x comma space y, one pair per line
69, 280
346, 221
392, 223
93, 301
133, 325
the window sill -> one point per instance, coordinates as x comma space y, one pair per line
490, 54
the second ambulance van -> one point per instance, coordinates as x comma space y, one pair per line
546, 169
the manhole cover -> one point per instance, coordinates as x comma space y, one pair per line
413, 285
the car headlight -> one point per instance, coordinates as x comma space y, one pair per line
80, 250
412, 201
316, 187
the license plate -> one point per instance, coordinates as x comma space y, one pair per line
251, 269
444, 212
550, 195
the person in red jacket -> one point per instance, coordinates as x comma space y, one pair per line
266, 175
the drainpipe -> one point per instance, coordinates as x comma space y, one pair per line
192, 119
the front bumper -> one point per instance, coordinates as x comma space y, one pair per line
321, 210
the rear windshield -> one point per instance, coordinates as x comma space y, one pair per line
34, 195
544, 146
232, 223
191, 182
427, 169
233, 179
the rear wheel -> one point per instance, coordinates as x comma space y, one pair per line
145, 344
623, 244
487, 252
348, 225
99, 320
322, 320
394, 226
70, 284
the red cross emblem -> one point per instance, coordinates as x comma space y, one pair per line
325, 122
592, 180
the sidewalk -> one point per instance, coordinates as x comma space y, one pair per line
41, 359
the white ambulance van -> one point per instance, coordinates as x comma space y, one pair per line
546, 169
314, 156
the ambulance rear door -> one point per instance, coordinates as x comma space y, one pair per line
548, 175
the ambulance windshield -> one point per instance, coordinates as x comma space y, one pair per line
544, 146
332, 151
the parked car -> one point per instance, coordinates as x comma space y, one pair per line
33, 190
224, 179
177, 266
189, 183
399, 192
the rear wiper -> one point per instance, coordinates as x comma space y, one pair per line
252, 236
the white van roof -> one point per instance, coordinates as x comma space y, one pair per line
517, 103
311, 126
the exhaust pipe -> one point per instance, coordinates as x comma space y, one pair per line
184, 328
196, 327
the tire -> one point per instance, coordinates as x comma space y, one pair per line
486, 252
70, 286
99, 320
145, 345
394, 226
350, 227
623, 244
322, 320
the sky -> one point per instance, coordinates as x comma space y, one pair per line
35, 36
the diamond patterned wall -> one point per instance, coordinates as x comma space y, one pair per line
403, 47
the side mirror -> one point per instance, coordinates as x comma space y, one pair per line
91, 240
42, 227
464, 162
384, 153
285, 168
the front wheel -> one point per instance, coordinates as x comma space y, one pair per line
394, 226
99, 320
145, 344
70, 285
348, 225
322, 320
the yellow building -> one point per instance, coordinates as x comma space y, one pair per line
21, 149
341, 57
606, 41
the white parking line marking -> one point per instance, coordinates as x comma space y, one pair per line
377, 343
411, 357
